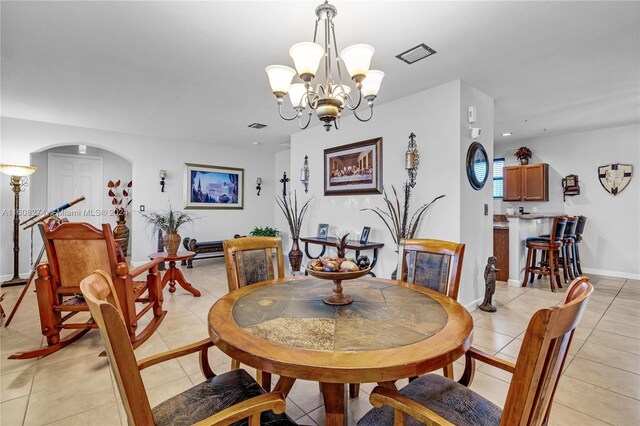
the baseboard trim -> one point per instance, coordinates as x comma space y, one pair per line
615, 274
473, 305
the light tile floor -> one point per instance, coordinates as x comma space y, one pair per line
601, 383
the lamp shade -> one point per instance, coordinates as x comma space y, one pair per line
306, 57
280, 77
16, 170
357, 58
298, 95
371, 84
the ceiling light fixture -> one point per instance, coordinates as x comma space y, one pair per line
328, 99
507, 134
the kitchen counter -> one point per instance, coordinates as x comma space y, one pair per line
530, 216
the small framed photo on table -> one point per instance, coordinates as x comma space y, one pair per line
323, 230
364, 237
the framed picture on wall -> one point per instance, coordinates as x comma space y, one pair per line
213, 187
354, 169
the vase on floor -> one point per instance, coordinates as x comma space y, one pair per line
295, 256
121, 233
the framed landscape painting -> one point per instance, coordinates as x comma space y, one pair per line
213, 187
354, 169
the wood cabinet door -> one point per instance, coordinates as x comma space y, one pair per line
501, 252
535, 186
512, 183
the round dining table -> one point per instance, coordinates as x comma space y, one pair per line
391, 331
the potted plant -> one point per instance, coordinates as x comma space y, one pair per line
523, 154
264, 232
294, 219
396, 217
169, 222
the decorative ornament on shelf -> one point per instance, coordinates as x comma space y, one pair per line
120, 200
169, 222
328, 99
304, 174
523, 154
294, 219
412, 160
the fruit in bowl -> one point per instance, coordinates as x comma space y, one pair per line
334, 264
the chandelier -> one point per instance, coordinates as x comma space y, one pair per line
328, 99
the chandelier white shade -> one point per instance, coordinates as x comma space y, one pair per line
306, 57
330, 97
357, 59
280, 78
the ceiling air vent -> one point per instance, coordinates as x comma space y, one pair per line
257, 126
414, 54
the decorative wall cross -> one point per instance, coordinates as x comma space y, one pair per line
284, 181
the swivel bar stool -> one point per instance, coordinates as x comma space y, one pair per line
550, 247
582, 221
567, 259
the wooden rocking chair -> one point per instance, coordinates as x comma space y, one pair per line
74, 251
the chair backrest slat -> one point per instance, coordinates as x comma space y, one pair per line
249, 260
434, 264
98, 291
542, 357
76, 249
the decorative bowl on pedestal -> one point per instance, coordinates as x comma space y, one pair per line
338, 297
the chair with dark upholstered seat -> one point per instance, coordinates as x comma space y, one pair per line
433, 399
249, 260
230, 398
582, 221
434, 264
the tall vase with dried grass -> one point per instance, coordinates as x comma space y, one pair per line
294, 219
396, 217
169, 222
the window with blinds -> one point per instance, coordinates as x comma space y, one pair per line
498, 177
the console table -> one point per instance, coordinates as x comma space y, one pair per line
351, 245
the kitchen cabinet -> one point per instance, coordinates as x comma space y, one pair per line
501, 251
526, 183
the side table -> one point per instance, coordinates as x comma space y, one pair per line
174, 275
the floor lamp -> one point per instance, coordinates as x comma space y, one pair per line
18, 182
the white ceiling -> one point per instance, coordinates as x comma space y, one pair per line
195, 70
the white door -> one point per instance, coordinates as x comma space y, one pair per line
71, 176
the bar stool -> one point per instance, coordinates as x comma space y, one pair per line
550, 247
582, 221
566, 261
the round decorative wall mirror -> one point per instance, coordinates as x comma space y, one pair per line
477, 165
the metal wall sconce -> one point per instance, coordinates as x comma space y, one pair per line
412, 160
163, 176
259, 185
304, 174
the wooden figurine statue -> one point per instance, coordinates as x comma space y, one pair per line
490, 284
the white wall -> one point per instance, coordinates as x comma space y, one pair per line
476, 228
435, 117
282, 162
147, 155
611, 243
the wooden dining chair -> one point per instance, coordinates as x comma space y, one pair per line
220, 400
249, 260
434, 264
74, 250
437, 400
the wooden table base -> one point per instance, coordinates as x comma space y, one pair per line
174, 275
